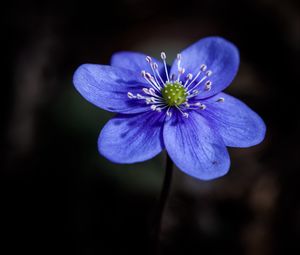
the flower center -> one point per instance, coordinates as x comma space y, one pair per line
174, 93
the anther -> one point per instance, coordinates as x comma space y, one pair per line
208, 73
185, 114
153, 107
163, 56
148, 59
150, 100
146, 91
155, 66
221, 99
130, 95
151, 91
189, 76
203, 67
181, 70
202, 106
208, 85
148, 76
169, 113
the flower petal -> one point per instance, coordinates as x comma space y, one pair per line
132, 138
236, 122
219, 55
135, 61
107, 87
195, 148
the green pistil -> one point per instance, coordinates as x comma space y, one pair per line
174, 93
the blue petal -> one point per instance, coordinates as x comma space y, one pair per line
107, 87
135, 61
195, 148
219, 55
132, 138
236, 122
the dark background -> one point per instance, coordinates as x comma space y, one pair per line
58, 196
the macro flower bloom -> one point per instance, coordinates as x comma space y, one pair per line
180, 108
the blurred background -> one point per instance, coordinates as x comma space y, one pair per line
58, 196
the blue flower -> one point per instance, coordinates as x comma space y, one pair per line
180, 108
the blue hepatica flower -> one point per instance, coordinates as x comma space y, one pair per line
180, 108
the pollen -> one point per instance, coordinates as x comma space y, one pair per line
174, 93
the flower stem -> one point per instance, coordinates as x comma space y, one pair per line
163, 199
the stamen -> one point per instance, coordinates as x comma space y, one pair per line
160, 108
150, 80
193, 106
151, 100
148, 101
149, 59
153, 107
202, 107
169, 113
178, 60
152, 91
209, 73
146, 91
203, 67
221, 99
194, 93
199, 83
180, 72
163, 57
130, 95
208, 85
188, 78
154, 67
185, 114
187, 105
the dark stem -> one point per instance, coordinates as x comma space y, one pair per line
162, 200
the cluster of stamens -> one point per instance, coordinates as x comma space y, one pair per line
175, 91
